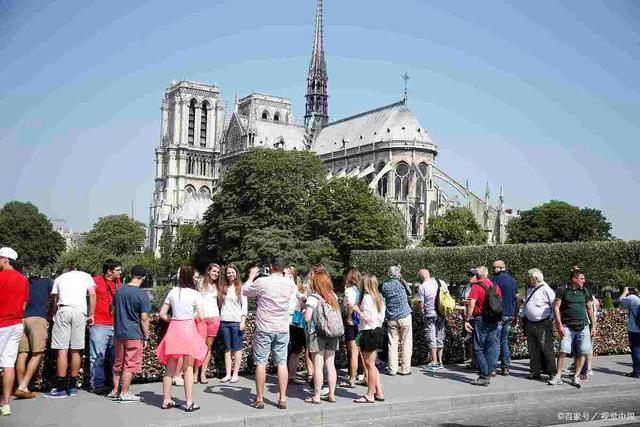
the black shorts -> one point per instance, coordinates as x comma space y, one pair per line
297, 339
350, 332
371, 340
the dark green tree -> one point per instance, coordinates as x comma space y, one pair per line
346, 211
118, 235
457, 227
264, 188
30, 233
558, 221
297, 252
87, 258
177, 250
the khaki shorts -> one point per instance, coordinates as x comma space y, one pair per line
34, 339
69, 325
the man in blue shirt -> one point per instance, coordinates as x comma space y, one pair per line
631, 301
34, 339
399, 324
131, 329
510, 307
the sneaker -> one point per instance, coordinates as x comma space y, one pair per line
5, 410
299, 381
481, 381
128, 397
504, 372
440, 366
324, 391
583, 377
576, 382
431, 367
589, 372
72, 391
557, 380
113, 395
55, 394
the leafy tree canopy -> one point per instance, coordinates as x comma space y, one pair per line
30, 233
264, 188
558, 221
177, 250
117, 234
271, 198
346, 211
457, 227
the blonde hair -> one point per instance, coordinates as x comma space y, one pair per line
369, 285
205, 284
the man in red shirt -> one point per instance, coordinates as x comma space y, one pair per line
485, 330
101, 333
14, 293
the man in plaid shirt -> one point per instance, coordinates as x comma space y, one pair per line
398, 316
273, 294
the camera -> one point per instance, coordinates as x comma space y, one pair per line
632, 290
263, 268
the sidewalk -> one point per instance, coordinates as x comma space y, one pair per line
227, 405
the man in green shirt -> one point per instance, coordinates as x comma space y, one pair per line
573, 310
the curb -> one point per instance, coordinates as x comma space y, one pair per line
408, 406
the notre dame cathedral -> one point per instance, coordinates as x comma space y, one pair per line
386, 146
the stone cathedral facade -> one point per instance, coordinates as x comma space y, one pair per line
386, 146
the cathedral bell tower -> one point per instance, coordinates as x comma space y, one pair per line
317, 105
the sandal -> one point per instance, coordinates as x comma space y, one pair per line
282, 404
312, 400
233, 381
346, 384
168, 405
327, 399
203, 382
363, 399
362, 383
256, 404
225, 379
191, 408
378, 398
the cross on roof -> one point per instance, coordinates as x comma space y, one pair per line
406, 78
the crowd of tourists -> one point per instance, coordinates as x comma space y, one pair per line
294, 319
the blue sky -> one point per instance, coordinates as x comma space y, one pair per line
540, 97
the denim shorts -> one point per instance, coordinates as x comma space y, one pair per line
231, 335
582, 339
274, 342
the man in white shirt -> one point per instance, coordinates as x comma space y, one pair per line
434, 321
273, 294
70, 292
538, 325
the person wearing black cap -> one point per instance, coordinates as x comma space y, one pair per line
131, 328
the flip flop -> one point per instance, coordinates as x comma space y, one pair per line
191, 408
312, 400
225, 380
378, 398
169, 405
363, 399
233, 381
257, 404
282, 404
326, 399
203, 382
347, 384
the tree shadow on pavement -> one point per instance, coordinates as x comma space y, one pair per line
450, 374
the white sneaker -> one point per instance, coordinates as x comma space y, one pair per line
128, 397
589, 372
576, 382
324, 391
5, 410
557, 380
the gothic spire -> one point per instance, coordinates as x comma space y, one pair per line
317, 95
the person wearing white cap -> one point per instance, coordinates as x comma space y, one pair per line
14, 293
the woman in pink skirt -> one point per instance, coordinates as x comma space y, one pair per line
208, 288
182, 338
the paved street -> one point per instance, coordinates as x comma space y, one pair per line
418, 398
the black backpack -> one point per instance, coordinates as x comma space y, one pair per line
492, 309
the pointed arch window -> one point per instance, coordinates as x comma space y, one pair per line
402, 181
192, 121
203, 125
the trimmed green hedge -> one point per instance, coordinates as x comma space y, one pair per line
599, 260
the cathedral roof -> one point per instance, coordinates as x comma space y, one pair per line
270, 133
394, 122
